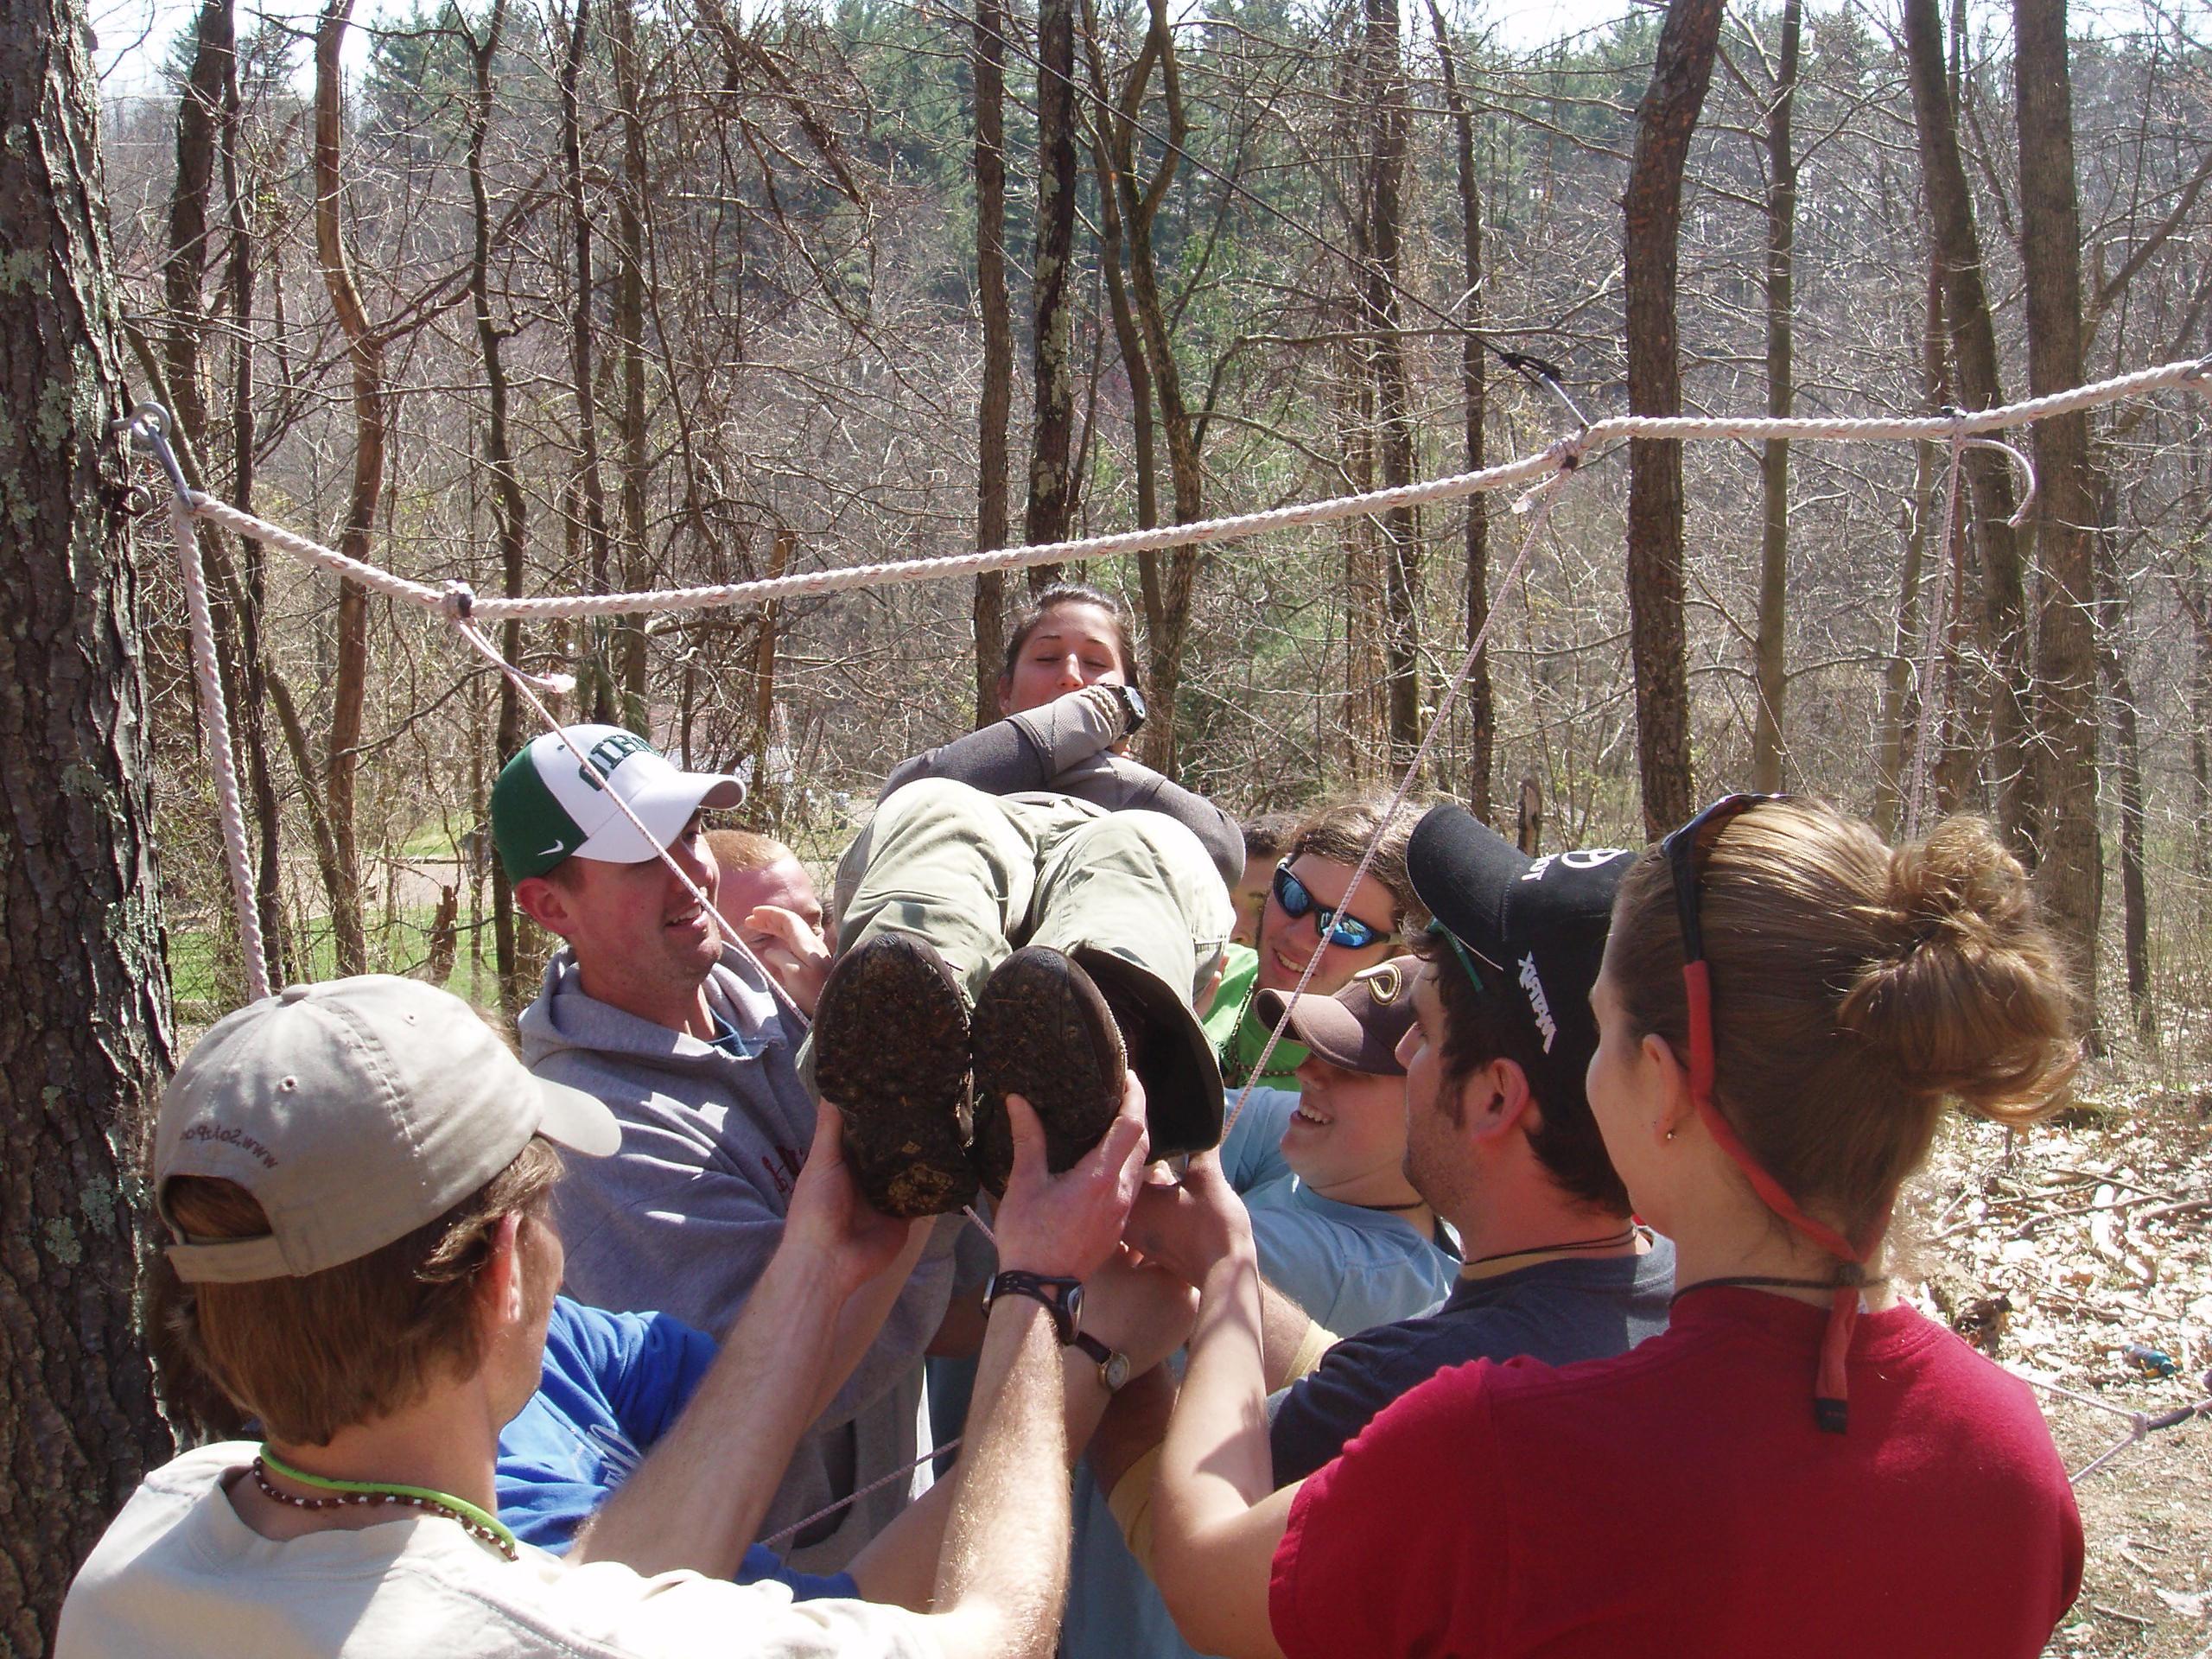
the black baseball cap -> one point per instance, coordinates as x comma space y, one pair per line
1536, 925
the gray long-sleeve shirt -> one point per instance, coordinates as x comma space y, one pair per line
1064, 747
683, 1219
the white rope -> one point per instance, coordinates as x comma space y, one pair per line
2140, 1424
1542, 498
148, 425
1235, 527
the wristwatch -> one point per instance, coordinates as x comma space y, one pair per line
1113, 1364
1063, 1299
1132, 701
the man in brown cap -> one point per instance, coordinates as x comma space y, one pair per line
356, 1176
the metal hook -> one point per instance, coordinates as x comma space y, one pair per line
149, 425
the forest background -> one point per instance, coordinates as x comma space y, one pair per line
618, 296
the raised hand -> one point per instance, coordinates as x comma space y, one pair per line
1064, 1225
829, 1217
789, 948
1186, 1227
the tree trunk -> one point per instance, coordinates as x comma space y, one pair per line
997, 397
1380, 279
252, 720
1051, 480
1653, 213
2070, 875
1973, 348
600, 667
2120, 686
1481, 704
1129, 206
506, 497
1781, 396
84, 1039
630, 334
1902, 694
205, 108
365, 350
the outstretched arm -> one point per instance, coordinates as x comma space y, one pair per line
1216, 1521
1024, 751
1142, 1313
697, 1499
1003, 1578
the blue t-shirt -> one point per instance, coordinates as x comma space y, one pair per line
1559, 1311
613, 1385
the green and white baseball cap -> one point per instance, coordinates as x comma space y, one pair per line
547, 806
354, 1111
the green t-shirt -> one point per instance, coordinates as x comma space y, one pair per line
1238, 1033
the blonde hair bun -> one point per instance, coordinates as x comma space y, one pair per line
1971, 999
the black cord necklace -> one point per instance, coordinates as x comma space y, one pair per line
1758, 1281
1612, 1240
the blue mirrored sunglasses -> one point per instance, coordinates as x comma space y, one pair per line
1329, 920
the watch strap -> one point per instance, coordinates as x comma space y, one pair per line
1061, 1299
1102, 1356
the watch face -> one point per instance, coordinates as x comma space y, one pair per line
1114, 1372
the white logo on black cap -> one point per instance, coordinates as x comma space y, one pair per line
1539, 1004
1582, 858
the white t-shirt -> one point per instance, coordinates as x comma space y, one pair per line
179, 1573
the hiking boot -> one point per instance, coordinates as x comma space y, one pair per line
890, 1051
1044, 1031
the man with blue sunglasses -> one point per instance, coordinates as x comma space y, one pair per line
1304, 907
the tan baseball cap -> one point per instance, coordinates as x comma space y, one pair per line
353, 1111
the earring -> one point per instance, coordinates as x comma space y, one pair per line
1670, 1135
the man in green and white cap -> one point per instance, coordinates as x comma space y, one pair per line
695, 1051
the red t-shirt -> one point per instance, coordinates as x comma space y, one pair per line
1679, 1500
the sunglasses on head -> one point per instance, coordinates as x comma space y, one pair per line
1329, 920
1685, 851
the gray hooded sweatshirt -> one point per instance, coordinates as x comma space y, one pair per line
683, 1218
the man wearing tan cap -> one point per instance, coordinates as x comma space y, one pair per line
355, 1175
693, 1049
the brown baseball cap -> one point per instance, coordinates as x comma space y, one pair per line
1358, 1028
353, 1111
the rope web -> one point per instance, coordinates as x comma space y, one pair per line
1546, 470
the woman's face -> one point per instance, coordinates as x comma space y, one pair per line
1073, 646
1287, 942
1350, 1126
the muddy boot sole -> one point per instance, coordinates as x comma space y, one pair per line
891, 1050
1043, 1031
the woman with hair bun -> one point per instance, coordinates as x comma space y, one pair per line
1801, 1464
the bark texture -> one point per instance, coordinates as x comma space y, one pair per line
995, 400
1653, 211
1051, 447
1477, 695
1767, 742
85, 1035
364, 354
1973, 350
2070, 875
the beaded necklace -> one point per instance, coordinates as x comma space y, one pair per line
345, 1493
